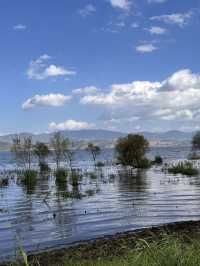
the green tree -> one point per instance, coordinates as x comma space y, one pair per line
57, 143
94, 150
23, 151
41, 151
131, 151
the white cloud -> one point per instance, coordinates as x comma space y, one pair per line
171, 103
86, 90
145, 48
20, 27
54, 100
39, 69
122, 4
157, 1
87, 10
135, 25
70, 125
157, 30
180, 19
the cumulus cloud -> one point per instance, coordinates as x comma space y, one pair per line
40, 69
70, 125
54, 100
173, 101
20, 27
87, 10
86, 90
157, 1
179, 19
146, 48
157, 30
122, 4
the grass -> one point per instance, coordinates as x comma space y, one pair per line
184, 168
168, 250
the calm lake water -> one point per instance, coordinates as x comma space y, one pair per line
114, 202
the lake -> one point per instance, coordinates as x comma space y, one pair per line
113, 201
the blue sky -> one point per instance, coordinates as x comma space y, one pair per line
129, 65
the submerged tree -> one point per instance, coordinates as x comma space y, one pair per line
41, 151
94, 150
23, 151
57, 146
131, 151
68, 153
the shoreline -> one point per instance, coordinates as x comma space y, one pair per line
107, 247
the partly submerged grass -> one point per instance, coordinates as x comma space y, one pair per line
185, 168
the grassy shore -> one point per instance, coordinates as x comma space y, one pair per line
174, 244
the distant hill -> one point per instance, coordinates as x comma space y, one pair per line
104, 136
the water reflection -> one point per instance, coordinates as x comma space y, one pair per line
111, 200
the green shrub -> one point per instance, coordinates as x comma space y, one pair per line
184, 168
44, 168
61, 175
100, 164
144, 164
76, 176
158, 160
29, 177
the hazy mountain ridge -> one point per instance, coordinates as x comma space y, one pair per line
104, 137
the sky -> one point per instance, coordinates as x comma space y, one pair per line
123, 65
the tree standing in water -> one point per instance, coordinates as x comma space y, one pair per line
94, 150
23, 151
41, 151
131, 151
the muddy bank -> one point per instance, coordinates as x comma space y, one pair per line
113, 246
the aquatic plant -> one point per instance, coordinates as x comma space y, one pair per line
94, 150
4, 182
29, 177
73, 195
185, 168
90, 192
158, 160
41, 151
100, 164
61, 176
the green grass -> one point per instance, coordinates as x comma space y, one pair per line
168, 251
185, 168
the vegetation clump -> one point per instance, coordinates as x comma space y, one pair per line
94, 150
61, 176
100, 164
158, 160
184, 168
131, 151
29, 177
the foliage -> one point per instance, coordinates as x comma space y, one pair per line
62, 149
100, 164
41, 150
185, 168
131, 151
44, 168
23, 151
94, 150
196, 141
167, 251
158, 159
29, 178
61, 175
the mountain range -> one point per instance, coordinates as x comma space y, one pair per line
99, 135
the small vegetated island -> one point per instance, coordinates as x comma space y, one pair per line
166, 245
